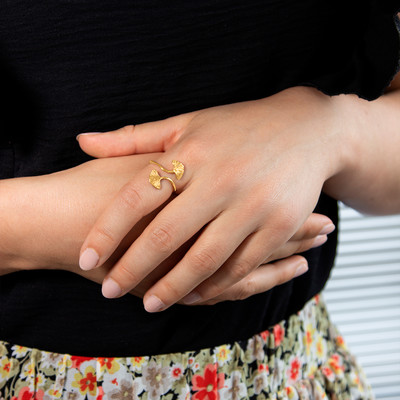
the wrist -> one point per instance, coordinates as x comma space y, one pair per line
351, 116
9, 259
18, 217
331, 126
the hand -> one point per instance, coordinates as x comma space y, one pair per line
44, 220
254, 172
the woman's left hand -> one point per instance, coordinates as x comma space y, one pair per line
253, 174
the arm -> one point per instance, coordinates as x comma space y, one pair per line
264, 163
368, 179
44, 219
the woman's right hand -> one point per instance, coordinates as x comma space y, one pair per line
44, 219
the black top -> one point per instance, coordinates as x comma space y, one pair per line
76, 66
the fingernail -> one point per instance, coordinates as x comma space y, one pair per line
301, 269
191, 298
319, 240
327, 229
88, 259
111, 289
153, 304
87, 133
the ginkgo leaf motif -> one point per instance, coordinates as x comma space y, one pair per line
179, 169
155, 179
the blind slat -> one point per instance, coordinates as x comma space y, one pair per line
363, 296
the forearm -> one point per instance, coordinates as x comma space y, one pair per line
44, 219
11, 227
34, 225
369, 141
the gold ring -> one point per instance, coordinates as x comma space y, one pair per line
155, 178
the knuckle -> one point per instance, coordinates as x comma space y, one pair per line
286, 222
213, 287
242, 268
162, 239
205, 261
247, 288
104, 234
283, 223
125, 276
130, 196
174, 292
196, 150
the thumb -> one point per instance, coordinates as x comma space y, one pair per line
150, 137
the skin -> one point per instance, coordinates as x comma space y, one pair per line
45, 219
267, 165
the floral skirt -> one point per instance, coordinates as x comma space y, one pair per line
301, 358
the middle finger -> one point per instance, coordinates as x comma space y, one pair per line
213, 247
174, 225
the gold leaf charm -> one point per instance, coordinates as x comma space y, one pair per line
155, 179
179, 169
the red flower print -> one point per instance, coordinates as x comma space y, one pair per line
294, 371
265, 335
88, 382
177, 372
289, 391
207, 386
328, 373
335, 364
340, 341
26, 394
279, 332
77, 361
263, 368
108, 362
335, 358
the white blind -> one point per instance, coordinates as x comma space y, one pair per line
363, 296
